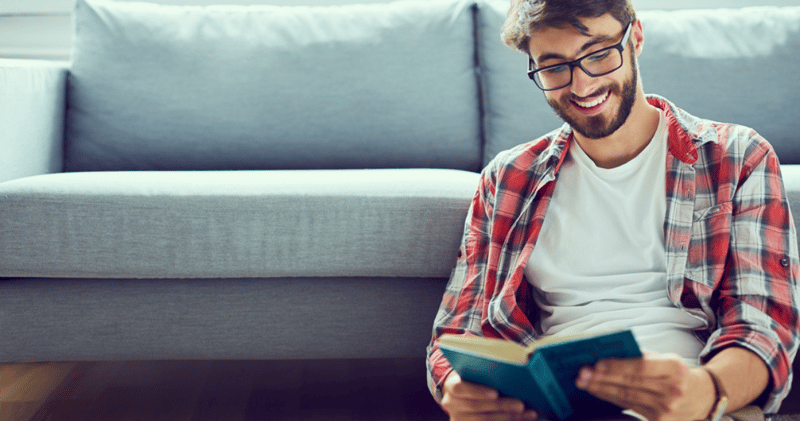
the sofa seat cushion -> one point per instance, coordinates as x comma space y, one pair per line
164, 87
234, 223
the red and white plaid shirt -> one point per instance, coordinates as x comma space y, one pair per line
731, 245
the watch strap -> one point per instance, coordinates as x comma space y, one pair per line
720, 399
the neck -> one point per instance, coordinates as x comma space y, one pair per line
628, 141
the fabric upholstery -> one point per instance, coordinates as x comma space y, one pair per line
31, 117
515, 110
158, 87
294, 264
234, 223
279, 318
729, 65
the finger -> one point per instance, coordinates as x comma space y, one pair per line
651, 365
623, 396
467, 390
466, 400
660, 387
645, 402
665, 386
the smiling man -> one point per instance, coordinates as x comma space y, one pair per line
633, 215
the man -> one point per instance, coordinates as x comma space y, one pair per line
634, 215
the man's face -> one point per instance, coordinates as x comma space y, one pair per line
595, 107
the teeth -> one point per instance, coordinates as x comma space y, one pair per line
594, 103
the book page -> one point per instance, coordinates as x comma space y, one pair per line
496, 349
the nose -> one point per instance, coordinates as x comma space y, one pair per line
582, 85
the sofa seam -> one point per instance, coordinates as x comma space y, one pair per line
480, 84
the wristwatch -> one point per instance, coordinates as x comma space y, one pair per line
721, 399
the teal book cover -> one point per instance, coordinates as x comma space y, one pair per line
542, 374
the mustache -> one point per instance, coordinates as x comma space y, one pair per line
596, 93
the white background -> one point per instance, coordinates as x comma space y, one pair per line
42, 29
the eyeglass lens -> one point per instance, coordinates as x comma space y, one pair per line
598, 64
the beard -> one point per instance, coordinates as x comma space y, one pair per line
596, 127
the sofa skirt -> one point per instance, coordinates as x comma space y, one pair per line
275, 318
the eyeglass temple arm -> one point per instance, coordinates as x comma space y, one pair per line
624, 42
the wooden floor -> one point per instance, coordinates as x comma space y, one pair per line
352, 390
217, 390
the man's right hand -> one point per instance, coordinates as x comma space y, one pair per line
465, 401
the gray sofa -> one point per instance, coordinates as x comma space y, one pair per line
291, 182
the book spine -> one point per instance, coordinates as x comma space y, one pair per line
559, 404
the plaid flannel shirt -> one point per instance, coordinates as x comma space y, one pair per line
730, 239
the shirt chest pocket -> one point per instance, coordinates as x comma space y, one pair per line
710, 244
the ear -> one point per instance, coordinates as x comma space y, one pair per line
637, 34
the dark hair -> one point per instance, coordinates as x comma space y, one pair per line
528, 16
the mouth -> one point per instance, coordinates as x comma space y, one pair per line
592, 107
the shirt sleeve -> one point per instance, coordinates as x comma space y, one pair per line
756, 303
461, 310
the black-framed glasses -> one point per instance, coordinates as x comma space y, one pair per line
598, 63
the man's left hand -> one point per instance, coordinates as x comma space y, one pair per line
661, 387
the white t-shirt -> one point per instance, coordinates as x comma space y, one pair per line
600, 262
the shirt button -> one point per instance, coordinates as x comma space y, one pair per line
785, 262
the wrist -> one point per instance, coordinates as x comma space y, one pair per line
705, 393
720, 397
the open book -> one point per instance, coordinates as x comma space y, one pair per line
542, 374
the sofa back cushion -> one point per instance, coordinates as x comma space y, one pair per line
729, 65
157, 87
515, 109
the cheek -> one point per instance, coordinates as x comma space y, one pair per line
557, 98
552, 100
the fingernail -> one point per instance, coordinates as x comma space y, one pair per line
530, 415
583, 377
601, 367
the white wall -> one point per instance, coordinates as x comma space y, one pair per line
42, 29
64, 6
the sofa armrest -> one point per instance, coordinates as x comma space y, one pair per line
32, 104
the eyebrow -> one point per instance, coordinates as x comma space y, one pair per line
588, 44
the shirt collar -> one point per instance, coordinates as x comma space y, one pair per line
686, 132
